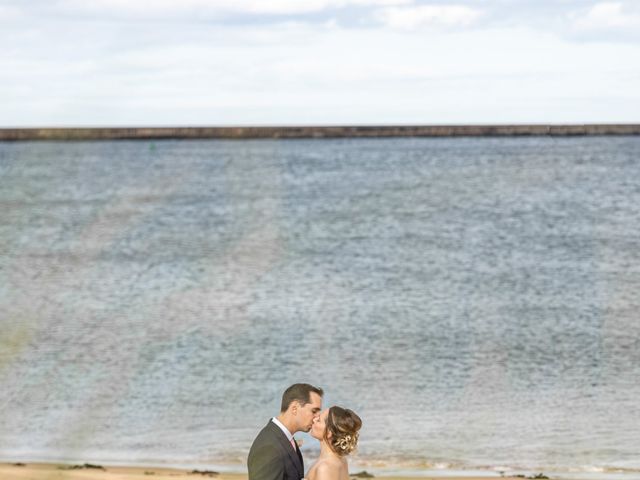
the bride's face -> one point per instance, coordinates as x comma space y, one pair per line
317, 430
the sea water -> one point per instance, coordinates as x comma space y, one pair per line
475, 301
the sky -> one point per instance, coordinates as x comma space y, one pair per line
317, 62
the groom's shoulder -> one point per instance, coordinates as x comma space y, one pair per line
269, 428
264, 448
267, 433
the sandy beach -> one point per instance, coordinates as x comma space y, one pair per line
47, 471
42, 471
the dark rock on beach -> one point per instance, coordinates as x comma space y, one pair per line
208, 473
81, 467
363, 474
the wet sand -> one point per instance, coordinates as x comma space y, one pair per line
47, 471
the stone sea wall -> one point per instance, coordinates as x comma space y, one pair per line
150, 133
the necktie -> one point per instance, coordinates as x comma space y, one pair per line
293, 444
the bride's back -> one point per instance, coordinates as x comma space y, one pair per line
329, 469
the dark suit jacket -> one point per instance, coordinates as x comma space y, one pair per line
272, 458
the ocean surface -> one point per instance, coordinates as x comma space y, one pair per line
475, 300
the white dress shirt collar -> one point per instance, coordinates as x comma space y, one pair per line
283, 428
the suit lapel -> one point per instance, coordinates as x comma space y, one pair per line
294, 455
300, 457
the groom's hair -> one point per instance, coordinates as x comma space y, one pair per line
300, 392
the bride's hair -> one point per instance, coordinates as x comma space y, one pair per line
343, 424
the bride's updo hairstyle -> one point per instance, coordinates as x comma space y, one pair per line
343, 424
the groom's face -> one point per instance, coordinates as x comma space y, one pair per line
309, 413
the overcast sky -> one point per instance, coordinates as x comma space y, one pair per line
284, 62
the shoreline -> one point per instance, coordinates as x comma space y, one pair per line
17, 470
311, 132
94, 471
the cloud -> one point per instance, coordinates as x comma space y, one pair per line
607, 16
8, 12
421, 65
414, 17
155, 8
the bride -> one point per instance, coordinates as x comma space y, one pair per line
337, 430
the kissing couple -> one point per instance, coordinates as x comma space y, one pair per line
275, 455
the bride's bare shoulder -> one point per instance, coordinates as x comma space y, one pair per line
324, 470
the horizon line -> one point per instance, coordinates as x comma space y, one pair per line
314, 131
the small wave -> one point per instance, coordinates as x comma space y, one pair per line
418, 467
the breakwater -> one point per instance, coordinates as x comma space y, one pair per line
249, 132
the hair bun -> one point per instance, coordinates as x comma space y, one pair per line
348, 443
343, 424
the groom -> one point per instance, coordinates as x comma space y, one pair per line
274, 454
